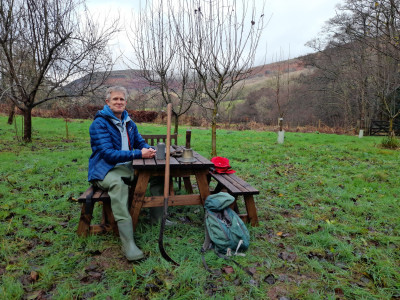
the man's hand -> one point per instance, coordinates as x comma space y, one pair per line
148, 153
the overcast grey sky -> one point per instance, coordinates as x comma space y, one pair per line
292, 24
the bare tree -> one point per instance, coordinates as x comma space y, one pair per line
281, 86
381, 35
220, 39
46, 44
383, 23
365, 36
349, 65
158, 53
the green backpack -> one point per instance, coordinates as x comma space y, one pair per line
224, 228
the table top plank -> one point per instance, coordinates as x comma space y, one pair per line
150, 161
138, 162
201, 158
153, 164
172, 161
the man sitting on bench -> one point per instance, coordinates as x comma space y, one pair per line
115, 142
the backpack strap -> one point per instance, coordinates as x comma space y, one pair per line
220, 255
215, 272
207, 240
204, 248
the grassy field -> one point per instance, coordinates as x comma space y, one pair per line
328, 209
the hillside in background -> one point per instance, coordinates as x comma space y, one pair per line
265, 76
254, 99
268, 70
132, 80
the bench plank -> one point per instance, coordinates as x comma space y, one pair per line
226, 184
234, 184
238, 187
85, 193
245, 184
231, 180
98, 195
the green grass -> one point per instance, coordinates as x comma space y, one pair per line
328, 210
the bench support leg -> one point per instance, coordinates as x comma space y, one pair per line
84, 222
251, 209
234, 206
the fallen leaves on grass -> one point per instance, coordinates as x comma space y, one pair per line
287, 256
34, 276
339, 293
210, 288
93, 274
253, 282
228, 270
37, 295
282, 235
270, 279
277, 292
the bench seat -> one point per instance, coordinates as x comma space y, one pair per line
236, 186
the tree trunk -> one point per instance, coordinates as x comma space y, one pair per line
66, 128
28, 125
281, 133
11, 114
176, 123
214, 132
391, 129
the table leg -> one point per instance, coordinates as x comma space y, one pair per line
202, 183
138, 196
188, 185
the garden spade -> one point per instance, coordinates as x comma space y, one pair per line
166, 189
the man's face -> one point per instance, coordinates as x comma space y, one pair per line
117, 103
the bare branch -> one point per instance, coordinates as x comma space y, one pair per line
45, 45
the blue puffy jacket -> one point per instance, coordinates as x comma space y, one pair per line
105, 140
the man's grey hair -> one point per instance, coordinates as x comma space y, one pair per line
116, 88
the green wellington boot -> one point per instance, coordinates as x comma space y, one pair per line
156, 214
131, 251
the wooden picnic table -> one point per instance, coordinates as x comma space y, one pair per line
147, 167
144, 169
